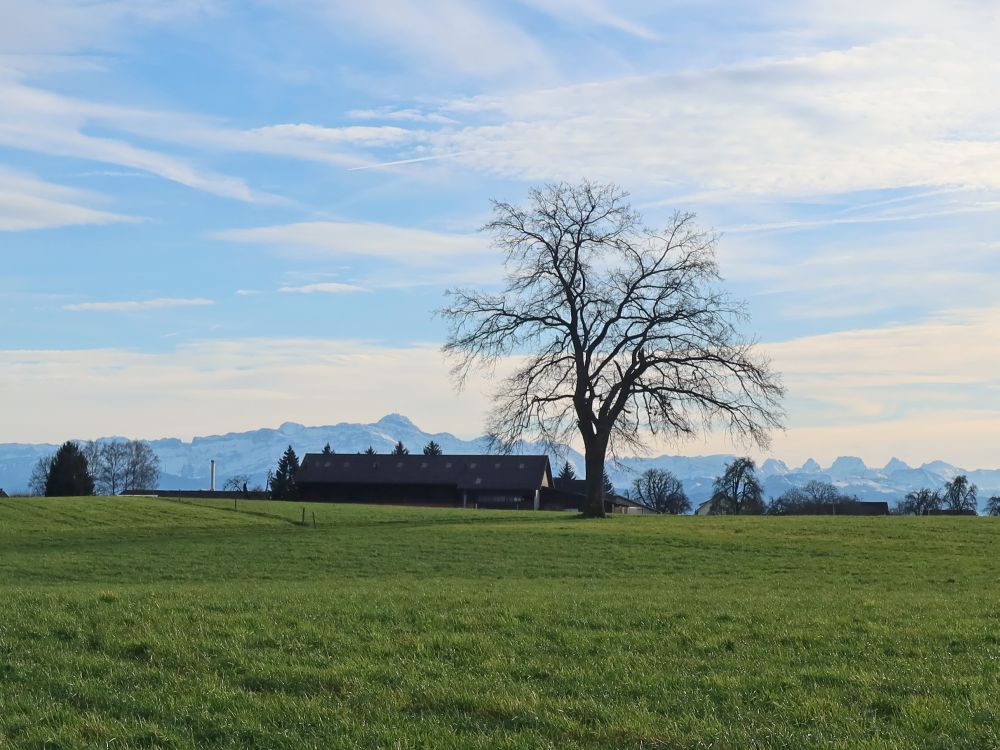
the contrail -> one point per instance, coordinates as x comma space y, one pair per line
410, 161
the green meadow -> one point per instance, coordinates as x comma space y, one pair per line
137, 622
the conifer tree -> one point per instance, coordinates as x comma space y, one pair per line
68, 474
283, 485
400, 449
327, 450
609, 489
432, 449
567, 473
370, 451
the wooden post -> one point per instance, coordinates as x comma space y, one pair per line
234, 503
303, 516
314, 519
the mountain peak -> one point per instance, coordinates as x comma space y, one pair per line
397, 421
290, 428
848, 462
811, 466
773, 466
895, 464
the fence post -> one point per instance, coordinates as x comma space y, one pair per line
314, 519
303, 516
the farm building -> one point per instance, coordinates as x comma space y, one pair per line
2, 493
461, 481
445, 481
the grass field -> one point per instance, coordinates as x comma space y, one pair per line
153, 623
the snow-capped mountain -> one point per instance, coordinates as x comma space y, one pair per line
185, 464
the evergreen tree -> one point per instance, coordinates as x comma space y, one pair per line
567, 473
370, 451
327, 450
432, 449
400, 449
609, 489
283, 485
68, 474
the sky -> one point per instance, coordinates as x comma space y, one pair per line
218, 215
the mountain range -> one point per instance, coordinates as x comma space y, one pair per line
186, 464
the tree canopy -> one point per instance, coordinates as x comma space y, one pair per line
400, 450
432, 449
621, 332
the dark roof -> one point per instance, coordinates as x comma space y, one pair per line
2, 493
465, 472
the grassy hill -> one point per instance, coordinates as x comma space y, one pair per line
153, 623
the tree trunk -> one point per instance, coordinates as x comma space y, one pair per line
593, 506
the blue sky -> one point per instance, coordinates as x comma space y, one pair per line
216, 216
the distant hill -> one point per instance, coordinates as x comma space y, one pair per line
186, 464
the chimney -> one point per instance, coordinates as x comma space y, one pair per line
213, 476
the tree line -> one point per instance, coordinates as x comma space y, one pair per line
738, 491
102, 468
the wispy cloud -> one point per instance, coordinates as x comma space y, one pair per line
29, 203
344, 239
326, 287
138, 305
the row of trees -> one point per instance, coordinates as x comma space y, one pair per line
958, 496
738, 491
431, 449
103, 468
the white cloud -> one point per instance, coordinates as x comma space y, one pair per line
340, 239
29, 203
137, 305
37, 120
895, 113
928, 389
326, 287
212, 386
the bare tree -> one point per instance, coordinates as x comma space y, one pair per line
142, 467
919, 502
40, 475
661, 491
109, 472
959, 495
620, 332
993, 506
738, 491
120, 465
